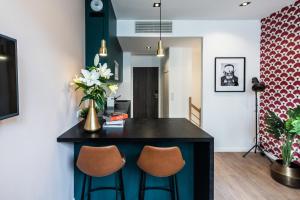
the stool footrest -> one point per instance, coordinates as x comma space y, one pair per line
105, 188
158, 188
173, 189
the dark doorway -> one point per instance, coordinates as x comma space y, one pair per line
145, 92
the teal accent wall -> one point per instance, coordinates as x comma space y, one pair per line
131, 174
100, 26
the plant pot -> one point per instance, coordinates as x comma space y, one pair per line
92, 122
289, 176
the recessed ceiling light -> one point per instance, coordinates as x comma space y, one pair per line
246, 3
156, 5
148, 48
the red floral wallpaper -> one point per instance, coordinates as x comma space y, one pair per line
280, 70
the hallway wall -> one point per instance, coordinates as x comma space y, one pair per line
180, 81
197, 76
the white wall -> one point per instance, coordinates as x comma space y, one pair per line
130, 61
180, 81
144, 61
50, 36
196, 85
125, 88
164, 70
229, 117
196, 73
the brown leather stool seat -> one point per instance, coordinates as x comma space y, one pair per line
100, 162
160, 162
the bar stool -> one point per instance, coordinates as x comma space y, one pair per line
100, 162
160, 162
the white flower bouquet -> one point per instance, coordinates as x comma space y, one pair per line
95, 84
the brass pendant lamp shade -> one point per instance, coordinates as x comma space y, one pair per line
160, 50
103, 49
91, 121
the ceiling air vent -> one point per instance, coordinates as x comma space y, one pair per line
153, 27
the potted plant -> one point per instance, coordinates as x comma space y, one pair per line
95, 84
284, 170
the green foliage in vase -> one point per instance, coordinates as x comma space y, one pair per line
95, 84
296, 126
285, 131
287, 152
274, 124
293, 123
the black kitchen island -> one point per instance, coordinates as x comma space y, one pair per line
197, 179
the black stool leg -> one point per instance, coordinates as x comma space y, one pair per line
83, 187
122, 184
142, 186
116, 185
176, 187
172, 187
90, 188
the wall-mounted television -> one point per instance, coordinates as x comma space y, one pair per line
9, 102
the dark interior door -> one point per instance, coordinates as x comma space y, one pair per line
145, 92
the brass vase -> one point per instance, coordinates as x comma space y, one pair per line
289, 176
91, 122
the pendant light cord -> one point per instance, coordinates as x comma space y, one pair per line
160, 20
103, 27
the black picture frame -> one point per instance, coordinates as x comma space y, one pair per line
217, 81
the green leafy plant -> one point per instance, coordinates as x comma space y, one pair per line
293, 123
285, 131
274, 124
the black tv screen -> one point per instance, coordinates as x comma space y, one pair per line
9, 103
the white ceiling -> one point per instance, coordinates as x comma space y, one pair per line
197, 9
136, 45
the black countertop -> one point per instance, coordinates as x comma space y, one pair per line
141, 130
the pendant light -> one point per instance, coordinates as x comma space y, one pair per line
103, 48
160, 50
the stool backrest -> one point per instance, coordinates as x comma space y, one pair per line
100, 161
161, 162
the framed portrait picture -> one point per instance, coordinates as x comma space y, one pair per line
230, 74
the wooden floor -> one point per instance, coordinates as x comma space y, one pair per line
237, 178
